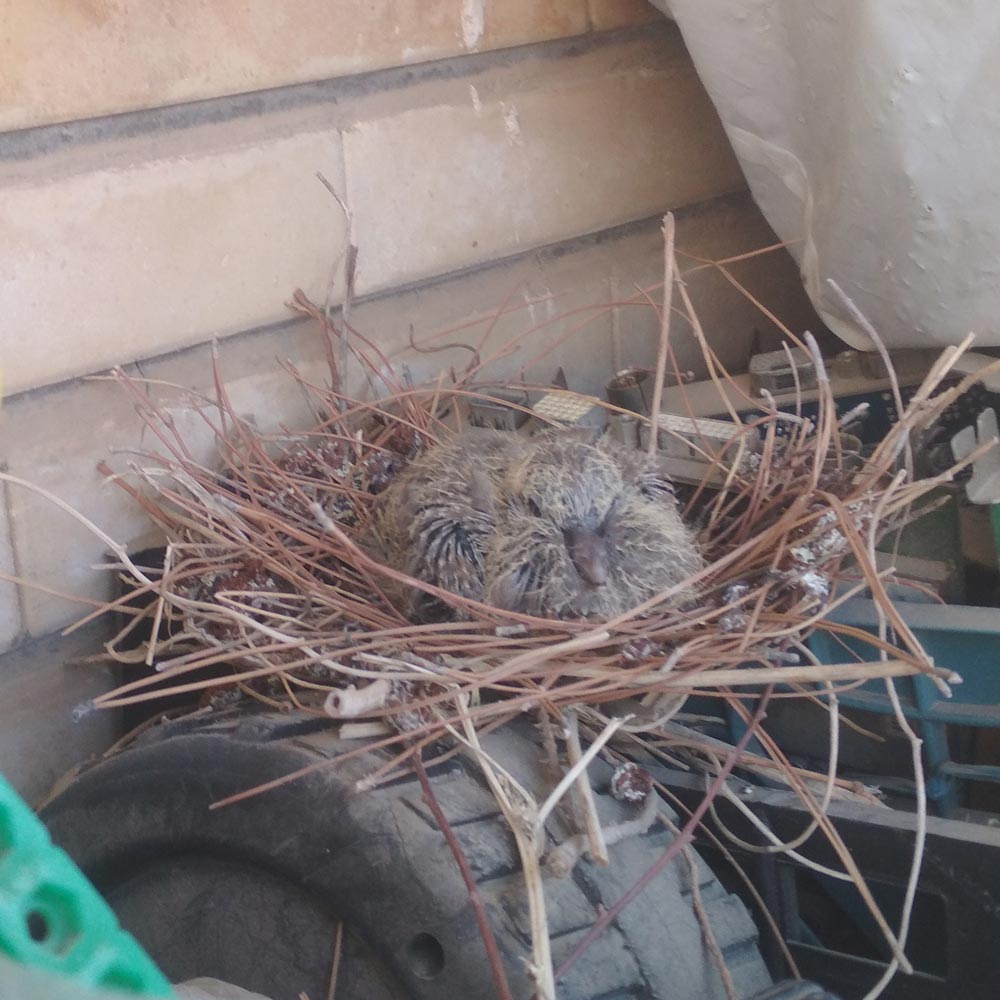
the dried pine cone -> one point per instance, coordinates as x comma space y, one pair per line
631, 783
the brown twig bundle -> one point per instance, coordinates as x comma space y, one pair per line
267, 572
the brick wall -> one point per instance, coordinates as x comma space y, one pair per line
158, 189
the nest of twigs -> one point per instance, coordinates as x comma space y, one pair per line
268, 575
267, 572
268, 591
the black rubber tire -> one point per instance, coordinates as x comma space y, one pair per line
252, 893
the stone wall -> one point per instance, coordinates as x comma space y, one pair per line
158, 190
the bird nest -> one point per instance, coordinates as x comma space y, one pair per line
270, 589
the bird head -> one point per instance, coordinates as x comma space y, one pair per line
573, 487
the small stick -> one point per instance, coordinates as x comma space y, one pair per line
741, 677
338, 941
711, 941
836, 842
661, 355
595, 835
482, 920
549, 745
561, 861
748, 884
518, 815
899, 960
160, 601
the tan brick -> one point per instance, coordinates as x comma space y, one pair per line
548, 297
68, 59
607, 14
606, 138
514, 22
521, 316
258, 388
159, 248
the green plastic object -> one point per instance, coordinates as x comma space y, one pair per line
52, 918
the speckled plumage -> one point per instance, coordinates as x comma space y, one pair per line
553, 525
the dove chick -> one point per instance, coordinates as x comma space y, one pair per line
554, 526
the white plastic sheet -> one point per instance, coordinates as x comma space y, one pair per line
869, 133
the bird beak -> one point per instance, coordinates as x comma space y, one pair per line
589, 555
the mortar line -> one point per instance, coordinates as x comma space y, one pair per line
39, 140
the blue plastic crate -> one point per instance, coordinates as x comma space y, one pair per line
958, 637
